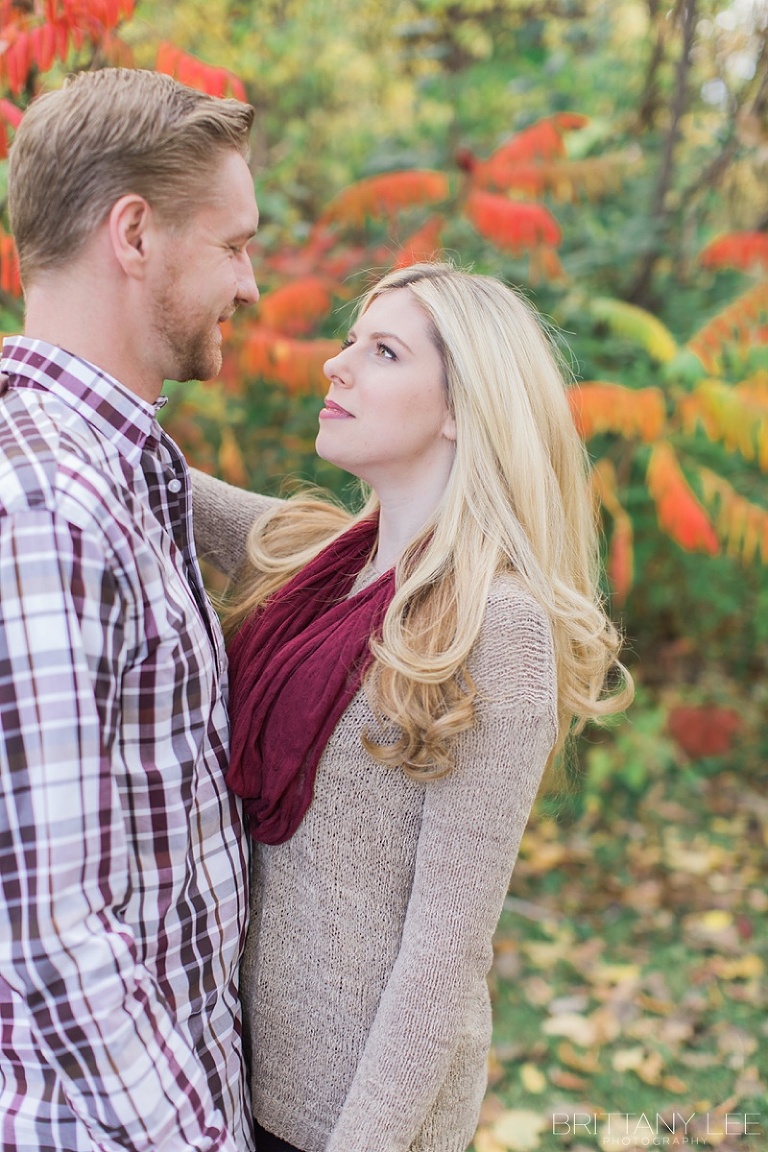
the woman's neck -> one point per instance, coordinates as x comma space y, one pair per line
402, 515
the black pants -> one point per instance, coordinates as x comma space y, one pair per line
266, 1142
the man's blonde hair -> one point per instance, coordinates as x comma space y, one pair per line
103, 135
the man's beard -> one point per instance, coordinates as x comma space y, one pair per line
193, 348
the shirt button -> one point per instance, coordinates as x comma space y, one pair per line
174, 486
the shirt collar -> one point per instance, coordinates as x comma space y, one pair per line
110, 408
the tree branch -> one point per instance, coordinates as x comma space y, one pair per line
659, 206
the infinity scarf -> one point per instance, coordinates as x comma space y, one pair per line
294, 667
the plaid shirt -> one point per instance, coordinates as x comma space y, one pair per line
122, 853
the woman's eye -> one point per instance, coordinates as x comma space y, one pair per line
385, 352
346, 343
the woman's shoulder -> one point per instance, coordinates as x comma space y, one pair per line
513, 658
513, 608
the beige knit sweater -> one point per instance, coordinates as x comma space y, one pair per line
364, 979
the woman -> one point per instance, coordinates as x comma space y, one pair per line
400, 680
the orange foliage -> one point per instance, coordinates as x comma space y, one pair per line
755, 388
422, 245
534, 161
296, 308
603, 407
195, 74
384, 196
703, 730
544, 264
231, 463
742, 324
743, 250
35, 38
510, 224
323, 255
620, 564
742, 524
737, 416
278, 359
306, 261
563, 178
10, 280
10, 113
680, 514
620, 561
541, 142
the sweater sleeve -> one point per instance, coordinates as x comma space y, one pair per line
223, 517
471, 828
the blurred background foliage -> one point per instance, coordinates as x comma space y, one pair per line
610, 158
673, 154
593, 152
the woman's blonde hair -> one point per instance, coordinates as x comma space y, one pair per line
517, 500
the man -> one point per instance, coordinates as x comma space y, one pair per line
122, 854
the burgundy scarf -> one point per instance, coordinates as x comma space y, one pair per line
295, 666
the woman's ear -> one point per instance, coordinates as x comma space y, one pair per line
449, 428
129, 227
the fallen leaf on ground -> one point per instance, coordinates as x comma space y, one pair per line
561, 1078
519, 1130
533, 1079
581, 1061
578, 1028
749, 967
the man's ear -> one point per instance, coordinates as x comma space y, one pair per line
129, 231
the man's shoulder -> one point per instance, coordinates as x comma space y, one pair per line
50, 454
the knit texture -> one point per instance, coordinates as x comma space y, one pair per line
364, 978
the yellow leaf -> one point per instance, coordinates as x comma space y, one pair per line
674, 1084
577, 1028
693, 862
545, 857
518, 1130
533, 1079
562, 1078
606, 1024
615, 973
651, 1069
581, 1061
716, 920
628, 1059
715, 927
485, 1141
637, 324
749, 967
496, 1070
545, 955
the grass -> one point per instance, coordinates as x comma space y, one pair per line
630, 973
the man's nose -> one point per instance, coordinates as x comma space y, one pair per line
247, 290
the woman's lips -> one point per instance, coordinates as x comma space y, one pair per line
333, 411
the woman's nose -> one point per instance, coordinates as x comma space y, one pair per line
332, 370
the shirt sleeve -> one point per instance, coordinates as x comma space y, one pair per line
223, 516
471, 828
65, 950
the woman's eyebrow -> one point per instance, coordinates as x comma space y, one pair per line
390, 336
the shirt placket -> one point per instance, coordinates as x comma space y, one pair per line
167, 488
